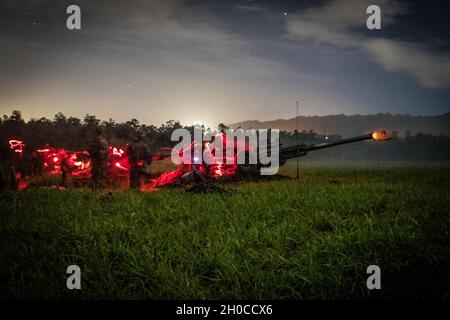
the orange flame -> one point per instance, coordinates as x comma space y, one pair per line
380, 135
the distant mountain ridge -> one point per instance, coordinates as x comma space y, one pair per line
357, 124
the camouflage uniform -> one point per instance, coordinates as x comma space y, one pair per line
137, 155
99, 153
66, 172
36, 164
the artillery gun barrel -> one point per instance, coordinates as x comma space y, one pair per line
291, 152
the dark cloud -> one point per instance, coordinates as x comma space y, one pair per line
335, 23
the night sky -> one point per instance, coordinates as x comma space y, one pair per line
223, 61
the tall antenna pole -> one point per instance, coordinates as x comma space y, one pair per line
298, 170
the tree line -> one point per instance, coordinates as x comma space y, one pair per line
75, 134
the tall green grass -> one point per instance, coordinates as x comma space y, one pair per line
292, 239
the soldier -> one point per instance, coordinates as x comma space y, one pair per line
98, 152
3, 179
137, 155
13, 178
8, 177
66, 171
36, 163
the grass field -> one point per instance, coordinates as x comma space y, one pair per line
288, 239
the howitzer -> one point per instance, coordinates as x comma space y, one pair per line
228, 169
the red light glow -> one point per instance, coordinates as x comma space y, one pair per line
121, 167
79, 163
117, 151
16, 145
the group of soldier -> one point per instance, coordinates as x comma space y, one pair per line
137, 152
